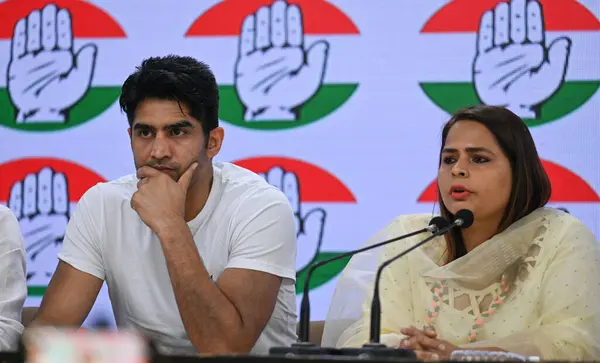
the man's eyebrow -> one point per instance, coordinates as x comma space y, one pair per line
176, 125
179, 125
142, 126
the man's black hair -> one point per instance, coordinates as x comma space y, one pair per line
175, 78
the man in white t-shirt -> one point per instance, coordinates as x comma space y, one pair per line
199, 256
13, 280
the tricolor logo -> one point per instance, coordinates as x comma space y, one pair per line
280, 60
42, 194
535, 57
51, 51
567, 188
312, 193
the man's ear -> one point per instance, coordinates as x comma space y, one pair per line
215, 141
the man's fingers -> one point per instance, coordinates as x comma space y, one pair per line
64, 29
263, 25
295, 33
19, 39
44, 191
501, 28
535, 22
33, 31
278, 31
146, 171
49, 27
518, 28
187, 176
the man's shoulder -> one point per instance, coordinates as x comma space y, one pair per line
5, 212
242, 186
113, 191
7, 218
10, 229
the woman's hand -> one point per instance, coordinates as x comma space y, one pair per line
412, 337
426, 344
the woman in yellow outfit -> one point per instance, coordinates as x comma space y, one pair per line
523, 278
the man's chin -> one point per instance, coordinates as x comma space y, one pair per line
171, 172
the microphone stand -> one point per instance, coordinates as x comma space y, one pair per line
464, 219
375, 347
304, 346
375, 329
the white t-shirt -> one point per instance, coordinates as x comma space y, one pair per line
13, 283
245, 223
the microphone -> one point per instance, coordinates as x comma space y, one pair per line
303, 345
464, 219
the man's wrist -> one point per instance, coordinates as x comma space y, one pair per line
170, 228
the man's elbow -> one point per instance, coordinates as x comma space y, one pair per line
228, 344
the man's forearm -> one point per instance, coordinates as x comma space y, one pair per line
211, 320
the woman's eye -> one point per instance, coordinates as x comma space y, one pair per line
480, 159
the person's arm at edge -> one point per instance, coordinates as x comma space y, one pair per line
13, 290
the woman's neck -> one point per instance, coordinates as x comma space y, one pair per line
478, 233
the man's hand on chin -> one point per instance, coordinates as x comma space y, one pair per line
159, 200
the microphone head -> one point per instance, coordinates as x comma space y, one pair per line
466, 217
439, 222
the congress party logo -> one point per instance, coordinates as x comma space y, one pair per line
532, 57
567, 187
51, 53
42, 194
311, 191
279, 76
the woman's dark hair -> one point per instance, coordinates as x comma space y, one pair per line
530, 188
175, 78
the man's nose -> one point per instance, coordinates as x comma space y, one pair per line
161, 148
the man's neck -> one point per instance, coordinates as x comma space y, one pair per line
198, 193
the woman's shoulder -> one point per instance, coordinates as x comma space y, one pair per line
407, 223
411, 222
560, 227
